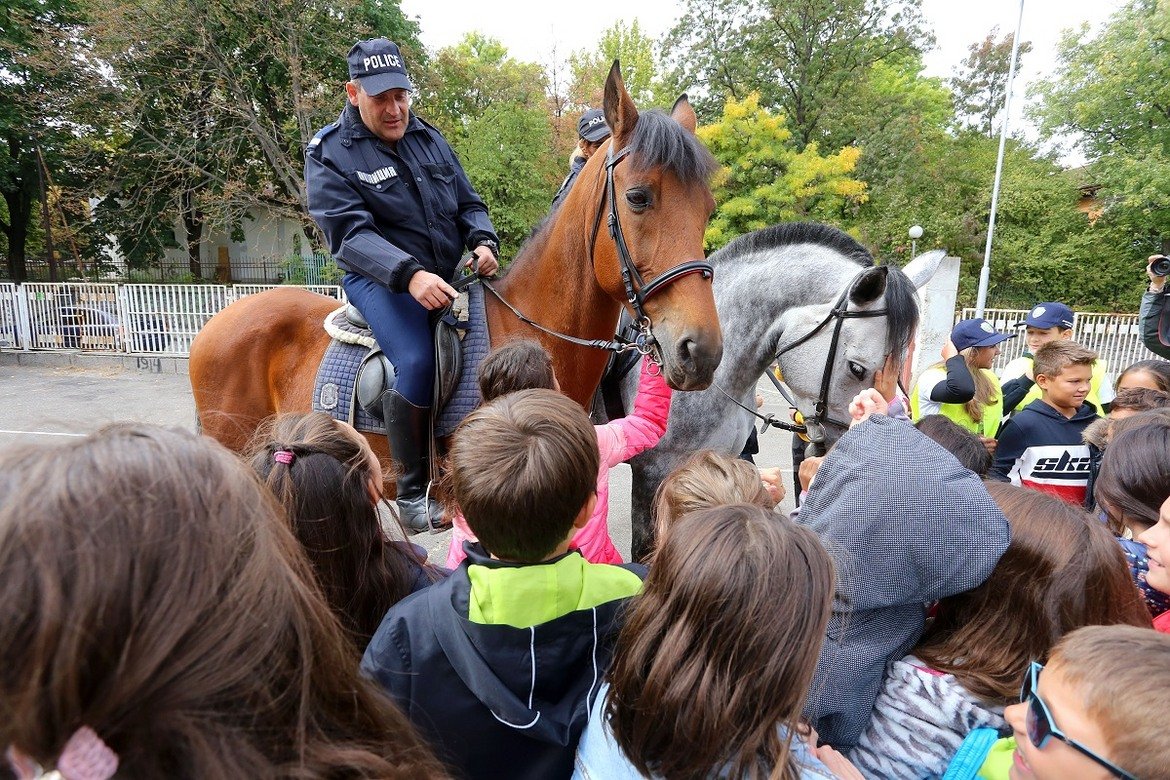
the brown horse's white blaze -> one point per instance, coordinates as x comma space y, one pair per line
260, 355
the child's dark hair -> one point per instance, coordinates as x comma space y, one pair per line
957, 440
1159, 370
319, 471
522, 364
1055, 356
713, 665
1062, 570
1139, 399
153, 592
1135, 471
522, 468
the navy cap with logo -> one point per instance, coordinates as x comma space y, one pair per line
1050, 314
377, 65
592, 127
977, 332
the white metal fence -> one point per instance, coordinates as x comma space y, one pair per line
151, 319
1115, 337
8, 315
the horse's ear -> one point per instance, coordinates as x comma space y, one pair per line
921, 269
620, 113
684, 114
870, 286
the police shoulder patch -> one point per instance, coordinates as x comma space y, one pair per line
324, 131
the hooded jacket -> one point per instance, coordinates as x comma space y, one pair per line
1043, 450
905, 524
498, 664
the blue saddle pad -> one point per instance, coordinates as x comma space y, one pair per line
333, 389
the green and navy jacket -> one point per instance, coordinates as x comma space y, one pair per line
498, 665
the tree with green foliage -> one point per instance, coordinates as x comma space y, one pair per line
493, 110
216, 104
804, 57
1111, 94
980, 81
42, 64
633, 48
763, 180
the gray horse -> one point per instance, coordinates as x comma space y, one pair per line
773, 288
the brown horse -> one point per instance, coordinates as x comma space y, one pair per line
259, 356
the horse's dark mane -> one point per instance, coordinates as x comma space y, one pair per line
902, 310
787, 233
901, 297
661, 142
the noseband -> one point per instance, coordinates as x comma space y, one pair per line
814, 425
637, 290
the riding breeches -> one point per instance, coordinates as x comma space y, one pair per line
402, 328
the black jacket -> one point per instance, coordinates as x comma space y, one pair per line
494, 701
1155, 323
387, 214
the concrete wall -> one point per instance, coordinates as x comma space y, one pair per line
937, 304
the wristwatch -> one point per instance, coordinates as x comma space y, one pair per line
492, 245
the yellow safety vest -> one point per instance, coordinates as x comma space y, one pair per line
957, 413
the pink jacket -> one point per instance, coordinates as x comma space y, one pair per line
617, 442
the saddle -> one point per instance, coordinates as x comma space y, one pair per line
355, 371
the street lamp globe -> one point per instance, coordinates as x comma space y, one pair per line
915, 234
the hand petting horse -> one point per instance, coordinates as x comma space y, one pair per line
809, 297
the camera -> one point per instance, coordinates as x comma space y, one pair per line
1161, 266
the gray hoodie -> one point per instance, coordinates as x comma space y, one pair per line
905, 525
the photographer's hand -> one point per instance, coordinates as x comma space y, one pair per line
1157, 283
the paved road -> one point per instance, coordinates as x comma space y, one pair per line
43, 403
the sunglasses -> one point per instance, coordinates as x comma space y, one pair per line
1041, 728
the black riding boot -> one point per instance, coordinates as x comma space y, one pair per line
408, 431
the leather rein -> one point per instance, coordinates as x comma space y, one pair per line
813, 426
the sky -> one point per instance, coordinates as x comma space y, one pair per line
546, 31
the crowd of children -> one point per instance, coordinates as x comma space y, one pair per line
962, 597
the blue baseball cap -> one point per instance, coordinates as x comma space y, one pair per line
1050, 314
592, 127
377, 65
977, 332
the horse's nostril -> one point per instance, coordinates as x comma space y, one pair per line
686, 352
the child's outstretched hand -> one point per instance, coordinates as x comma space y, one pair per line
865, 403
773, 483
838, 764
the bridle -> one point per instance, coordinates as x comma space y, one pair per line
637, 290
813, 426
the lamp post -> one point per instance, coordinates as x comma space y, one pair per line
985, 271
915, 234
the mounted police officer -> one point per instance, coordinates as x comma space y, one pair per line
591, 132
398, 211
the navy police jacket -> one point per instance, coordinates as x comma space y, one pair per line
387, 214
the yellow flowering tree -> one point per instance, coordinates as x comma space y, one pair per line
765, 180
